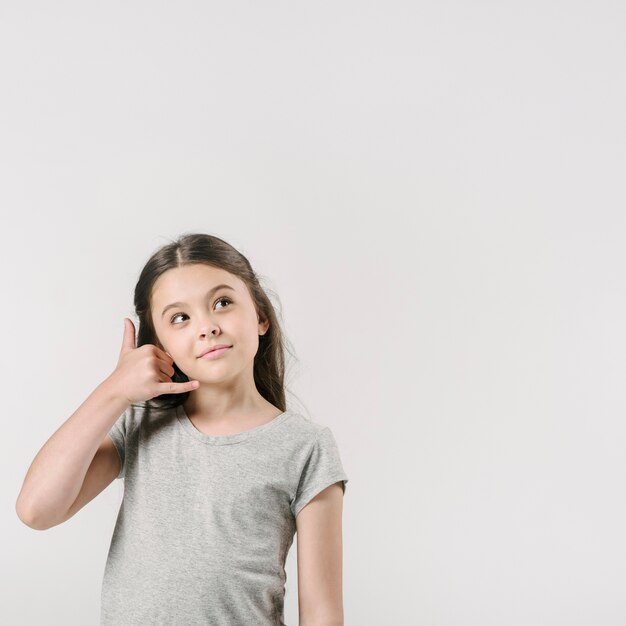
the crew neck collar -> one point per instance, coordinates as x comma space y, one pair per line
220, 440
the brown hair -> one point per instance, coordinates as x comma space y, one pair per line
192, 248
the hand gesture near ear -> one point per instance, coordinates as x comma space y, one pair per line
145, 372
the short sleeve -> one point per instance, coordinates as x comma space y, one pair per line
322, 468
118, 435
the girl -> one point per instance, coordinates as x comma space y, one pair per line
218, 473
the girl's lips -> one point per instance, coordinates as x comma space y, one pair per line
214, 354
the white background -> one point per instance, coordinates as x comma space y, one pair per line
435, 191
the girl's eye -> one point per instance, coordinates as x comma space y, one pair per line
223, 300
184, 314
177, 315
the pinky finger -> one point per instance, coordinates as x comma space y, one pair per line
180, 387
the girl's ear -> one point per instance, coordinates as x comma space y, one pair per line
263, 327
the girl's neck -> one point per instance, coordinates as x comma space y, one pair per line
211, 408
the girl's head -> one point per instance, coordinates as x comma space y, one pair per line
197, 292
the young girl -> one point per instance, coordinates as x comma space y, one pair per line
218, 473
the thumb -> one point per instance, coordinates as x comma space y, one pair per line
129, 342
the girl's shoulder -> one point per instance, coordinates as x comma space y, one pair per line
141, 412
305, 427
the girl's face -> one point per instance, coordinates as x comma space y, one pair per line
198, 306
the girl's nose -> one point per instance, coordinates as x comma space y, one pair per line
207, 327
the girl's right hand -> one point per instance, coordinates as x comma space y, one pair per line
145, 372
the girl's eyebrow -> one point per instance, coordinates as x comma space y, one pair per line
209, 294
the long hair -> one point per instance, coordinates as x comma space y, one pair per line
192, 248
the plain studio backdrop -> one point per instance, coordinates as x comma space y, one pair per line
434, 191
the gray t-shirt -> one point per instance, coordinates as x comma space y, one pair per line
206, 522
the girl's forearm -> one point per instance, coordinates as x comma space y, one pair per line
56, 474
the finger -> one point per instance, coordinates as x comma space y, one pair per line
166, 368
163, 378
178, 387
163, 355
128, 342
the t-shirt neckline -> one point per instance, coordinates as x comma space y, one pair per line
187, 425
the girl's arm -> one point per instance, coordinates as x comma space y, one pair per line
53, 488
56, 475
319, 530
